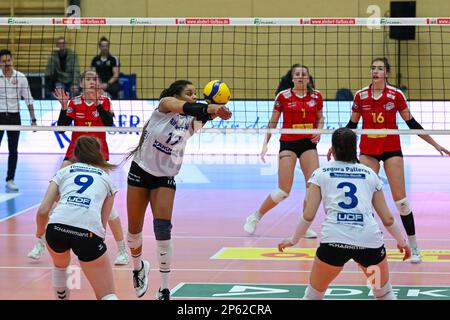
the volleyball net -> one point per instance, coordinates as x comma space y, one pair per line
250, 55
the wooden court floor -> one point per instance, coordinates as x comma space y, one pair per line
213, 256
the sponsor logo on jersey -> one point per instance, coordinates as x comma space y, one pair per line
79, 115
79, 201
162, 147
311, 103
347, 175
77, 100
389, 106
95, 114
355, 219
366, 107
291, 104
287, 93
180, 123
390, 95
364, 95
69, 110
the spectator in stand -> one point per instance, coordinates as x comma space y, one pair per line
63, 69
107, 68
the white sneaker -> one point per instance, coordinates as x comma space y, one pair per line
140, 279
415, 255
122, 257
11, 186
38, 250
250, 224
310, 234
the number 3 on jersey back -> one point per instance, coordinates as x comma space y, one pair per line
348, 194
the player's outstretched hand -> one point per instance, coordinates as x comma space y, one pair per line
315, 138
224, 113
286, 243
262, 155
442, 150
329, 154
62, 97
406, 249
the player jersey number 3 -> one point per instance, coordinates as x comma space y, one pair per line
348, 218
350, 194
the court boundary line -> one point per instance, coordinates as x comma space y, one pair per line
225, 237
19, 213
230, 270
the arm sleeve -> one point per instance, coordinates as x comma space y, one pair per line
400, 100
64, 119
107, 117
315, 176
277, 104
356, 107
111, 186
58, 177
25, 91
319, 101
66, 116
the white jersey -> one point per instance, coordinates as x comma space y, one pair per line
347, 190
83, 189
165, 137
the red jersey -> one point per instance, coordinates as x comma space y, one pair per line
379, 114
298, 112
84, 114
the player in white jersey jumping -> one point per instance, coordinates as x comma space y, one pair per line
350, 231
86, 196
156, 161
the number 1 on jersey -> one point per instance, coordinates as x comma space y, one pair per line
176, 139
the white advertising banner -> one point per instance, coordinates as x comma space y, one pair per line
246, 114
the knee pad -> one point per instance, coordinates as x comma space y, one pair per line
162, 229
113, 215
384, 293
111, 296
403, 206
278, 195
134, 240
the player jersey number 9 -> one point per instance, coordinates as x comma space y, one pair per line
348, 194
84, 181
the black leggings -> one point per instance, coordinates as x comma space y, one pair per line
13, 141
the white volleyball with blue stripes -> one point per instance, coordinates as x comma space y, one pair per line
217, 92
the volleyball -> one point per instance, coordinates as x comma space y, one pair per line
217, 92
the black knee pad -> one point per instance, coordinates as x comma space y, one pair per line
162, 229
